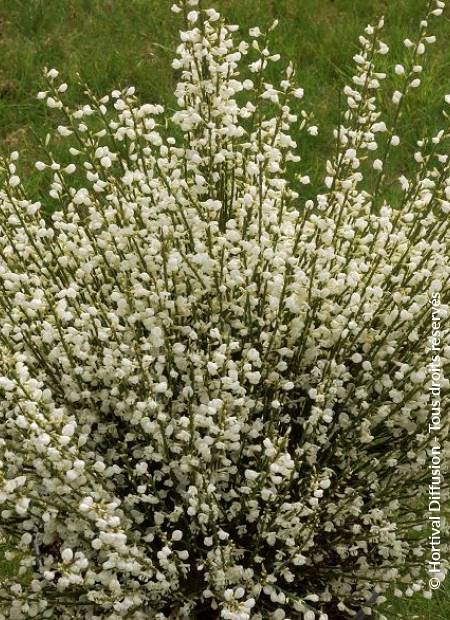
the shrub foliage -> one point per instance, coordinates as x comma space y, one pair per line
214, 373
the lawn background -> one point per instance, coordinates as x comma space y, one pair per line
113, 43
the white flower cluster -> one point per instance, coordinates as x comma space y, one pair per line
213, 389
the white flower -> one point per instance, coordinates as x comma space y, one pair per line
63, 131
213, 15
52, 74
420, 49
377, 164
397, 97
255, 32
379, 127
253, 377
53, 103
251, 475
14, 180
67, 555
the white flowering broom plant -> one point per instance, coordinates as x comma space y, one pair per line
214, 390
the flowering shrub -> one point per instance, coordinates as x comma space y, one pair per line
214, 390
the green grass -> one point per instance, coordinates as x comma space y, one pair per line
7, 567
113, 43
419, 608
